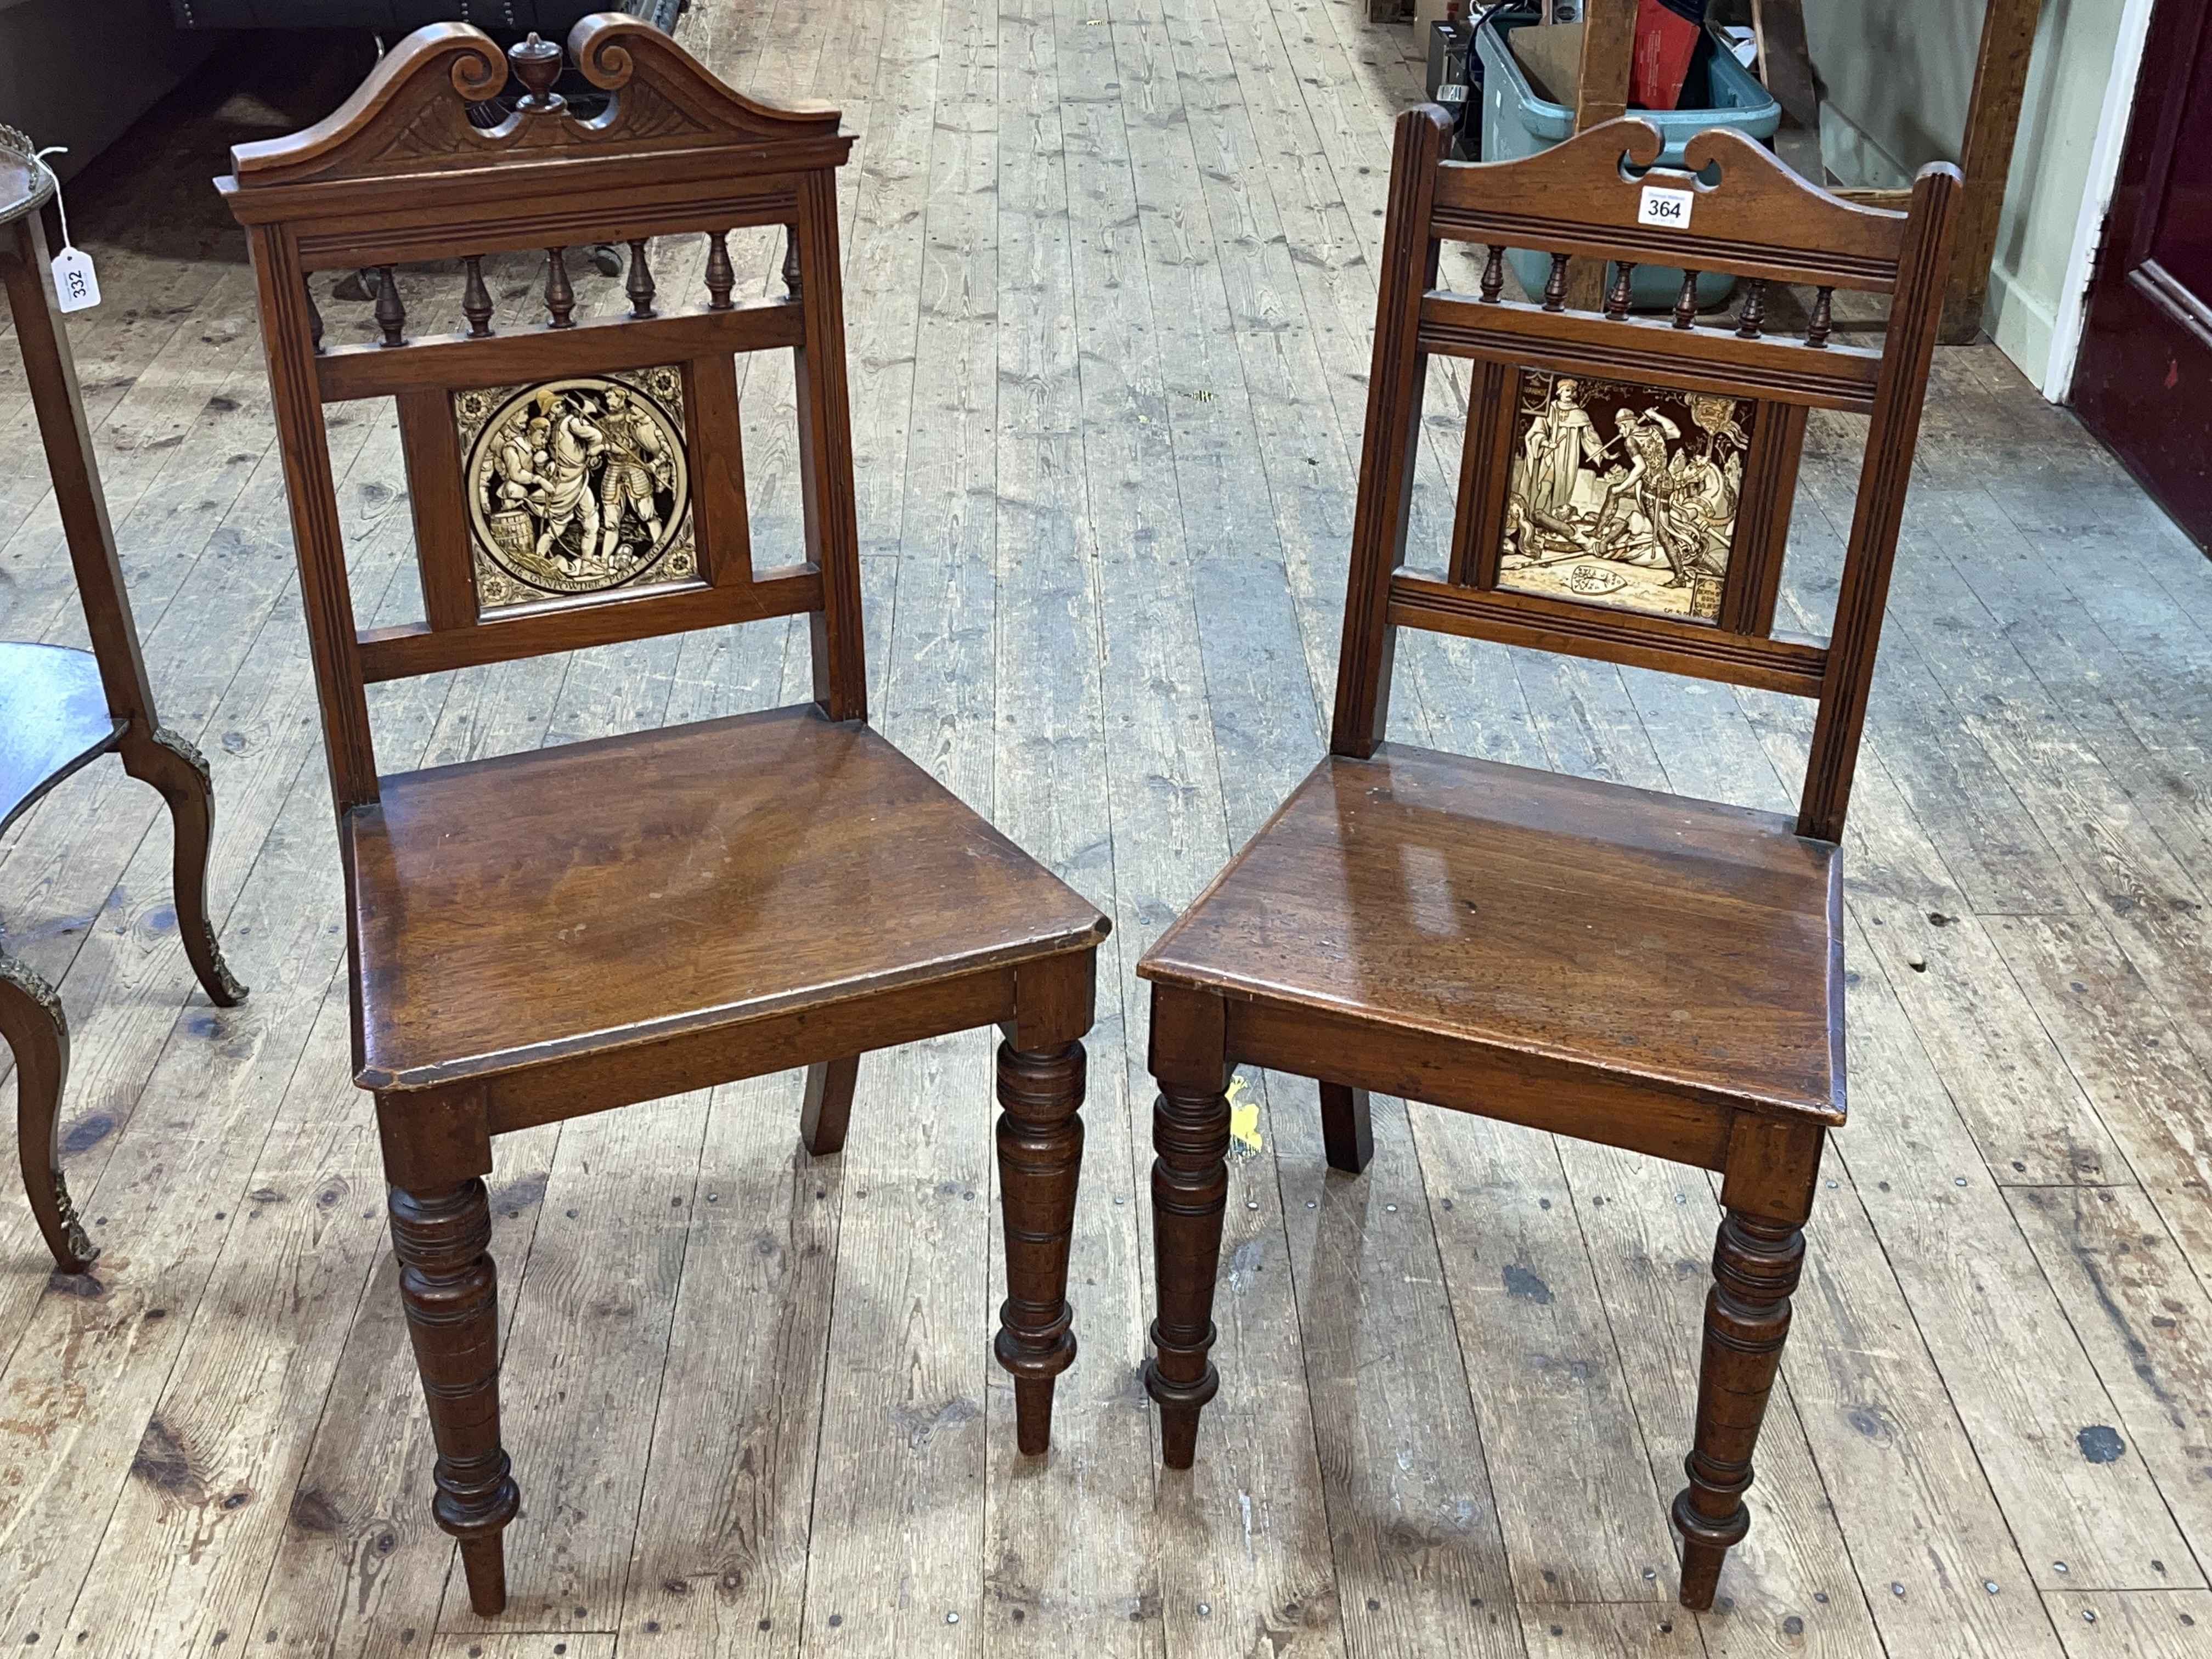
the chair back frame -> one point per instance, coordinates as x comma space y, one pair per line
402, 173
1599, 196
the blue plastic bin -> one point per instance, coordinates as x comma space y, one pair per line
1719, 93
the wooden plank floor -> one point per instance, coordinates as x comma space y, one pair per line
1110, 288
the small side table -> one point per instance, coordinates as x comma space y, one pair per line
60, 709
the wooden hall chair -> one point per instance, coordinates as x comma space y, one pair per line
538, 936
1647, 971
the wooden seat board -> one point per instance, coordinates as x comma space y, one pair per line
517, 909
1688, 945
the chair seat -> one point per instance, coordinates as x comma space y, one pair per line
1687, 946
536, 907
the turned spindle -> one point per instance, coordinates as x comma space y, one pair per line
1555, 285
792, 277
639, 283
1493, 274
391, 314
1686, 302
314, 317
560, 298
476, 298
1817, 335
1754, 318
1616, 301
720, 276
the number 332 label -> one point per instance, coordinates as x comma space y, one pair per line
1669, 209
76, 286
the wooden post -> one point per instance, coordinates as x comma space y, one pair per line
1985, 153
1786, 66
1608, 46
1985, 158
1600, 96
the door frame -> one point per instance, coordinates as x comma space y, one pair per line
2072, 322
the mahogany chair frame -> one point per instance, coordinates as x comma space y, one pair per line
399, 175
1579, 201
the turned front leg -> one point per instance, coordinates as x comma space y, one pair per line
1756, 1263
442, 1236
1040, 1156
1190, 1191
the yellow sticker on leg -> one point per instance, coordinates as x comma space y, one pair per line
1243, 1116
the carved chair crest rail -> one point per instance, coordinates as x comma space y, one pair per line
541, 935
1641, 969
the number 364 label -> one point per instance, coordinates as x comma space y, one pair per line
1666, 207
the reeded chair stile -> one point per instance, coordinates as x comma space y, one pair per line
542, 935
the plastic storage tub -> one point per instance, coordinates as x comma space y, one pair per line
1719, 93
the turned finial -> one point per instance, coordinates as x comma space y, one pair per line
391, 312
536, 65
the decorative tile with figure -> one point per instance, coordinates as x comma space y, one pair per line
577, 485
1624, 494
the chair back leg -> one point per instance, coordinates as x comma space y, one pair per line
1348, 1128
828, 1108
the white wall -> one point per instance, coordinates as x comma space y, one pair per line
1895, 76
1898, 74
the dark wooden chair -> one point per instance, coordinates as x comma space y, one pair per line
542, 935
1650, 972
